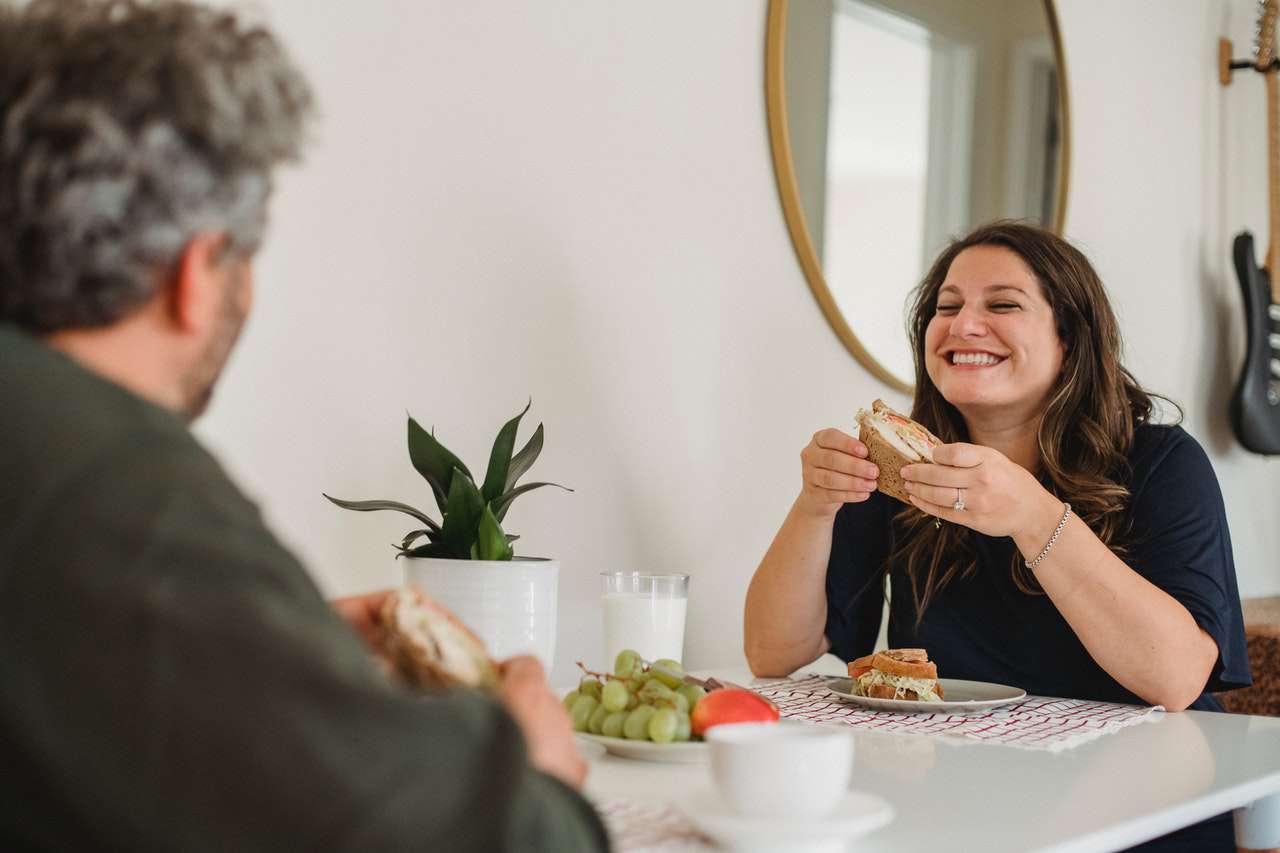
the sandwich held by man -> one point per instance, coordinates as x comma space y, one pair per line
172, 678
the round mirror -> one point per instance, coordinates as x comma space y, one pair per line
897, 125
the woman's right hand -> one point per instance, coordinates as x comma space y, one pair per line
785, 622
835, 471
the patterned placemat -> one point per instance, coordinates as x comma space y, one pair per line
1037, 722
635, 827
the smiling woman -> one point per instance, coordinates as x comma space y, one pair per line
1060, 540
1057, 402
992, 344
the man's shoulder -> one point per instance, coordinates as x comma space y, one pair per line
58, 414
67, 435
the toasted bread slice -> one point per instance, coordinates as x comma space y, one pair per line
909, 669
919, 655
860, 665
857, 666
893, 440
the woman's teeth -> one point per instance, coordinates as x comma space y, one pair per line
981, 359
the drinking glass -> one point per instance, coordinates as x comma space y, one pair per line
644, 612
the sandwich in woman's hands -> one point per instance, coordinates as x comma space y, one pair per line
893, 440
896, 674
430, 647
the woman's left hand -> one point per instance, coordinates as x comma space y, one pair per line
1000, 497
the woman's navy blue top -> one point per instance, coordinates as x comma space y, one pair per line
984, 628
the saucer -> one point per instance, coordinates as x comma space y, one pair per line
856, 814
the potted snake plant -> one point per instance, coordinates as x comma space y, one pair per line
466, 560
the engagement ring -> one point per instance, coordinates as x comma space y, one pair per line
959, 504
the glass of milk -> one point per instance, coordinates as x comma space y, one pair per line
644, 612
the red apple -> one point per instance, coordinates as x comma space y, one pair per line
730, 705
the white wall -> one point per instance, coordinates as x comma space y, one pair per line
574, 200
1167, 167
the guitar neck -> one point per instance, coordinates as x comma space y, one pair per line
1273, 181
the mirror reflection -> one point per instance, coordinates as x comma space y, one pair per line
908, 123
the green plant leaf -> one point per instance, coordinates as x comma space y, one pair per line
523, 461
415, 535
462, 514
372, 506
434, 462
431, 549
491, 542
495, 478
501, 504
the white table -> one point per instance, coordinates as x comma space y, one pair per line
1120, 789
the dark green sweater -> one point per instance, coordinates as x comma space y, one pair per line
171, 678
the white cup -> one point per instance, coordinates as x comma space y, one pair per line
781, 770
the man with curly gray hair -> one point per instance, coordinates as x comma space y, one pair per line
170, 677
136, 142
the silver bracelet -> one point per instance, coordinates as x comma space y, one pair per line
1066, 513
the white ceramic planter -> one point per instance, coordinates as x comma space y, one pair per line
510, 604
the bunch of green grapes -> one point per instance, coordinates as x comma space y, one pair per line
635, 702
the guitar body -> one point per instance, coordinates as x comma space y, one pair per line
1255, 406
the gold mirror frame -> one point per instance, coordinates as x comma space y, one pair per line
789, 190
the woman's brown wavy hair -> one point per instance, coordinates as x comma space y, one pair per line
1089, 420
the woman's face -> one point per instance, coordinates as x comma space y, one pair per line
992, 346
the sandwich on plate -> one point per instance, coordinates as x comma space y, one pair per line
893, 440
430, 647
896, 674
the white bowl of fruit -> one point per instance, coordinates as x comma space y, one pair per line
655, 712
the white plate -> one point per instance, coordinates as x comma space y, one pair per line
961, 696
857, 814
685, 752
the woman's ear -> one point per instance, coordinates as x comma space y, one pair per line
196, 283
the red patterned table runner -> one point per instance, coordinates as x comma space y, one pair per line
1037, 722
636, 826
